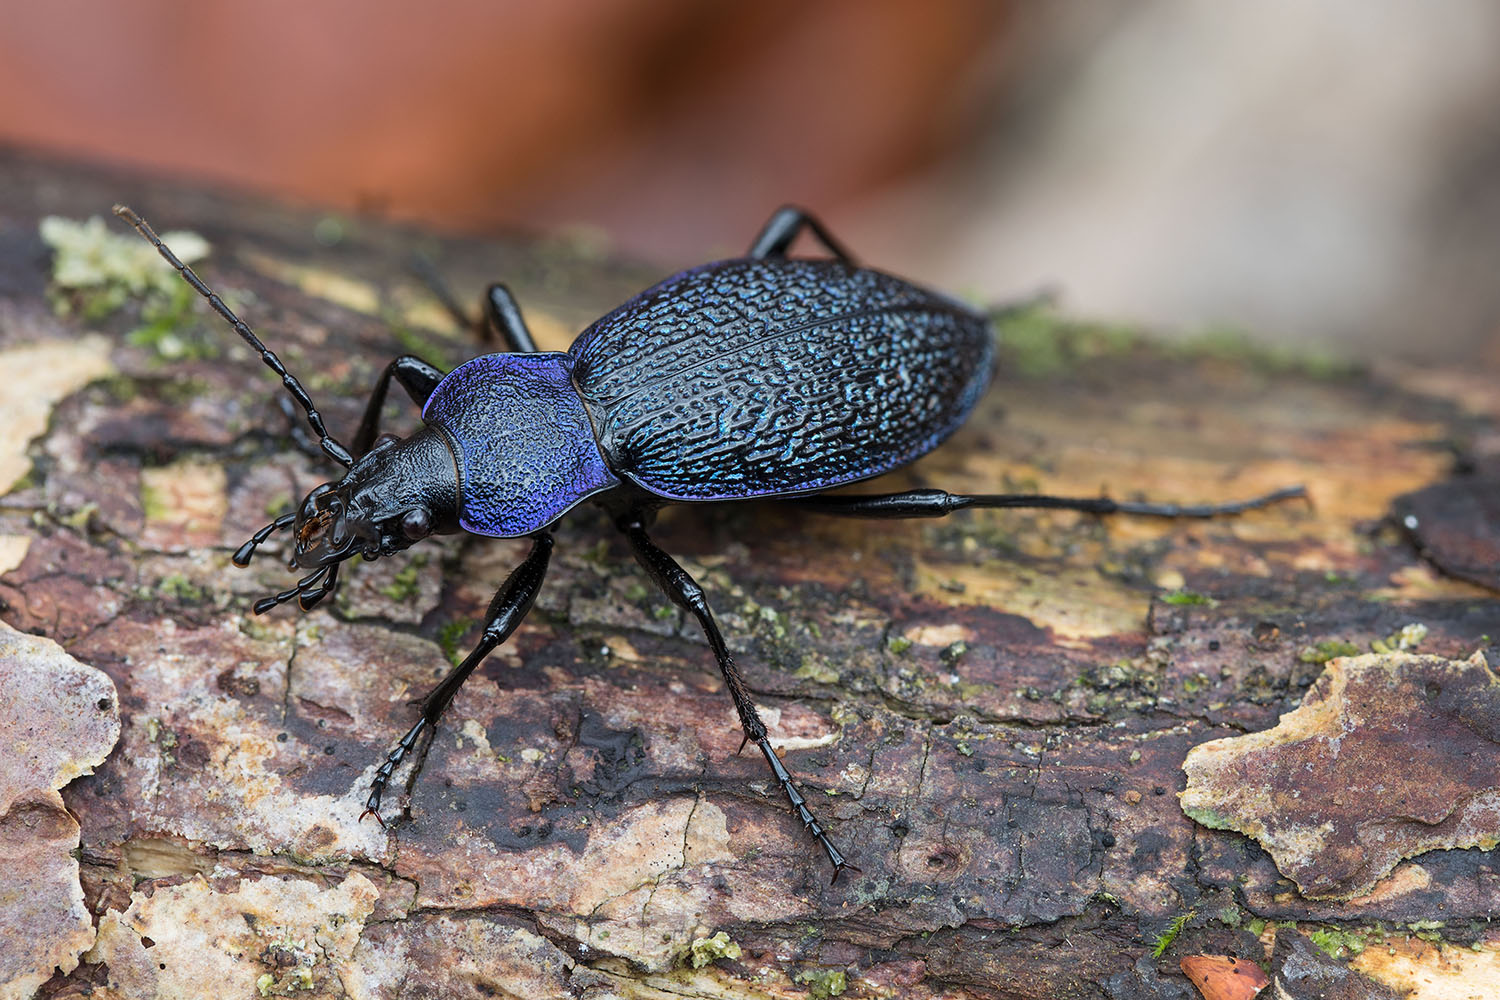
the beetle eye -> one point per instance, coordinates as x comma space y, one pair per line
416, 524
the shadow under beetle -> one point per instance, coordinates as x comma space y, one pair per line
761, 377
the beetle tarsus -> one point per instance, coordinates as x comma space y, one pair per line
388, 767
507, 610
799, 807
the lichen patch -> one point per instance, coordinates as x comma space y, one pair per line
1388, 755
58, 719
52, 370
254, 936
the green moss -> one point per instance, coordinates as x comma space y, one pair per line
823, 983
1197, 682
78, 520
120, 388
1188, 598
710, 949
256, 629
179, 587
278, 505
403, 586
773, 622
898, 644
1241, 348
1208, 817
1407, 637
448, 637
1165, 938
27, 481
154, 505
1326, 650
1035, 341
181, 389
166, 329
1337, 943
817, 671
1426, 930
1256, 926
330, 230
96, 270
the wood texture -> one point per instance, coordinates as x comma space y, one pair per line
990, 711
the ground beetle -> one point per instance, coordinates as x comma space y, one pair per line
762, 377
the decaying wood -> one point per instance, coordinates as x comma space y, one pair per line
991, 711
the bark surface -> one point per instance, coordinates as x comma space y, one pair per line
990, 711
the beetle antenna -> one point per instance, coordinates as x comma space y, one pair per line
330, 447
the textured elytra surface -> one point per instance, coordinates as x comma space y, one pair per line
989, 711
757, 378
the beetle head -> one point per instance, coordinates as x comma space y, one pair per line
397, 493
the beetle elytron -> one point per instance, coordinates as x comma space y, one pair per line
762, 377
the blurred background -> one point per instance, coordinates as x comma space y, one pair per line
1323, 174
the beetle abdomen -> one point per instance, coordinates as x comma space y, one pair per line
766, 377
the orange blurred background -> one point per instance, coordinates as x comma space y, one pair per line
1322, 174
677, 124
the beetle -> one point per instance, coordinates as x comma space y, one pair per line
762, 377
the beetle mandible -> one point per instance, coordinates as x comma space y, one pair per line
761, 377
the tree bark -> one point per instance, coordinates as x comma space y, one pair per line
989, 711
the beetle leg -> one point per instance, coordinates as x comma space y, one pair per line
416, 376
688, 595
501, 317
504, 320
785, 226
937, 503
507, 610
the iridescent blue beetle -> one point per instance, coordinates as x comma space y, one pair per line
762, 377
